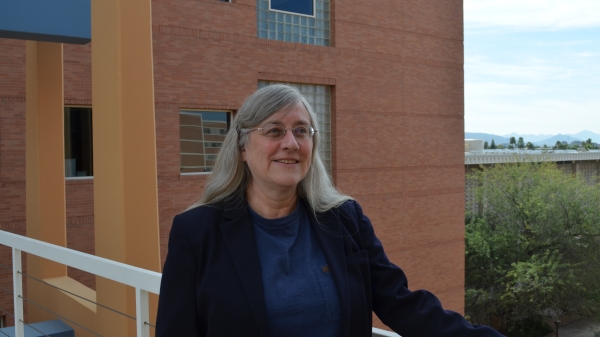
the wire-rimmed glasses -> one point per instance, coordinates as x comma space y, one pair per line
276, 132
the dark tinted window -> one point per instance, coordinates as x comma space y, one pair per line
78, 142
304, 7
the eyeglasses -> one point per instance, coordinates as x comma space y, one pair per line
276, 132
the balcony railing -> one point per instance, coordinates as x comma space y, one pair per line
144, 281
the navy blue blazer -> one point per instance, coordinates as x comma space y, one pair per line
212, 284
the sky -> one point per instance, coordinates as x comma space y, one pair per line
532, 67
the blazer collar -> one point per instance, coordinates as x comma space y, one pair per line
238, 232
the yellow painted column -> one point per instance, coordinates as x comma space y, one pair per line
45, 171
125, 186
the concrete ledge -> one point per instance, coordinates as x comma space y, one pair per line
55, 328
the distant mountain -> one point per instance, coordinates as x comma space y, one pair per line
528, 138
585, 135
540, 140
486, 137
552, 140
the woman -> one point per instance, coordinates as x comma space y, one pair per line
273, 249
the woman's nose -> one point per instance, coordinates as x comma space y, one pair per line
289, 141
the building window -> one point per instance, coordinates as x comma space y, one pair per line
319, 98
201, 136
79, 156
300, 21
299, 7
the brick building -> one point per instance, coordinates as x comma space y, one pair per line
386, 80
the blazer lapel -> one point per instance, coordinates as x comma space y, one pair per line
238, 233
329, 232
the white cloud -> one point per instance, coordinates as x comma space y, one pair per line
502, 108
528, 70
497, 90
532, 14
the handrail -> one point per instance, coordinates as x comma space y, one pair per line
123, 273
144, 281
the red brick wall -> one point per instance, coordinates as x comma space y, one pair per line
80, 224
396, 67
12, 157
77, 62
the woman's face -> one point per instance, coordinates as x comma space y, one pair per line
279, 165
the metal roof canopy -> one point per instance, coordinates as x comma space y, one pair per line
61, 21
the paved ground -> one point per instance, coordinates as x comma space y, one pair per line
581, 328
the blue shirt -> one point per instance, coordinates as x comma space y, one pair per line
300, 294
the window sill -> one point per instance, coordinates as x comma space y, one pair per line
80, 178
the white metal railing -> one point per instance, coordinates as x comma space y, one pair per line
144, 281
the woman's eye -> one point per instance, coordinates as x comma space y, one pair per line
301, 130
273, 132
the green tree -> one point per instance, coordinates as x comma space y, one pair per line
532, 249
485, 145
512, 142
530, 146
493, 145
511, 147
521, 143
560, 145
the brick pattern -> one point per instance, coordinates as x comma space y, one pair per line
287, 78
175, 30
566, 168
587, 172
395, 68
80, 224
12, 159
471, 204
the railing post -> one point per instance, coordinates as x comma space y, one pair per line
18, 293
142, 312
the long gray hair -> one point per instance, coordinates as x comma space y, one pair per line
230, 176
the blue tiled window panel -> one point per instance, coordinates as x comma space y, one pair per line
290, 27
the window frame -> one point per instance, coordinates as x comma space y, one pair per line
76, 177
314, 15
230, 115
